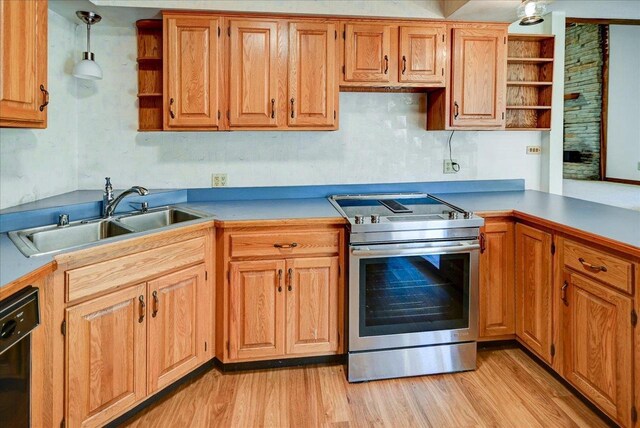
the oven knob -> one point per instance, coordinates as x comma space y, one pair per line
468, 214
375, 218
453, 215
359, 219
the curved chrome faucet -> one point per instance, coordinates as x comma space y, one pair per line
109, 204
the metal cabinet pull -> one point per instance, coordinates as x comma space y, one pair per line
141, 308
46, 97
404, 64
290, 272
171, 113
592, 268
155, 304
292, 245
483, 243
279, 280
386, 64
273, 108
564, 293
456, 109
293, 100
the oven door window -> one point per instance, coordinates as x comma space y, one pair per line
414, 294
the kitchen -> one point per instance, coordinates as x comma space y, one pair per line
291, 173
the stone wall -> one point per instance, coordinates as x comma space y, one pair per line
583, 76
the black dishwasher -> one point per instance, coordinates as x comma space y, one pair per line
19, 315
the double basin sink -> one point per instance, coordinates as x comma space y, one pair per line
47, 239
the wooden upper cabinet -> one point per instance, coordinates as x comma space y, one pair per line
313, 89
497, 283
254, 74
176, 345
478, 85
422, 55
367, 53
312, 305
533, 289
105, 352
23, 64
191, 72
256, 309
598, 335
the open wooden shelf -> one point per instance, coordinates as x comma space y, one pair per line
529, 60
529, 107
529, 82
149, 74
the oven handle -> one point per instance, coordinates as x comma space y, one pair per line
462, 247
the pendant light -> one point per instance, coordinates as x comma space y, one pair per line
530, 12
88, 68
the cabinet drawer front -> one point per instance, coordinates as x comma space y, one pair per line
284, 244
111, 274
613, 270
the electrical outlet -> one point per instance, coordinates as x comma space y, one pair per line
219, 180
534, 150
448, 166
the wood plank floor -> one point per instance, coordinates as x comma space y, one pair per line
509, 389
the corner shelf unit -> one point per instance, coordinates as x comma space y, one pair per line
529, 82
149, 74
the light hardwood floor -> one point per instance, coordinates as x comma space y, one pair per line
508, 389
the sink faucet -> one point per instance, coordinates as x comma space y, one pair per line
109, 203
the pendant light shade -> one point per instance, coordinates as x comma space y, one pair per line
88, 68
530, 12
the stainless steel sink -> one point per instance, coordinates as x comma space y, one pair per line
47, 239
155, 219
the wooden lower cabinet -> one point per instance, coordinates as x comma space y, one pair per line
534, 322
497, 282
598, 338
105, 348
283, 307
176, 343
256, 308
130, 343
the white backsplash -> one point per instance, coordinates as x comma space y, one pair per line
382, 138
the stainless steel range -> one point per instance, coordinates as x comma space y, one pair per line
413, 285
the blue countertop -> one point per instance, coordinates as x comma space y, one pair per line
614, 223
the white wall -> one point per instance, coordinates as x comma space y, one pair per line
382, 138
35, 164
623, 127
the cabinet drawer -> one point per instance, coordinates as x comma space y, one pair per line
111, 274
613, 270
284, 244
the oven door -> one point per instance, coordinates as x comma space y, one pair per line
412, 294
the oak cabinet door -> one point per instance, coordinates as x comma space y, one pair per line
422, 52
497, 282
175, 342
598, 336
367, 53
533, 289
23, 63
312, 305
254, 74
191, 72
478, 84
313, 90
105, 349
256, 309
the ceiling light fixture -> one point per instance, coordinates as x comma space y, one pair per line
88, 68
530, 12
